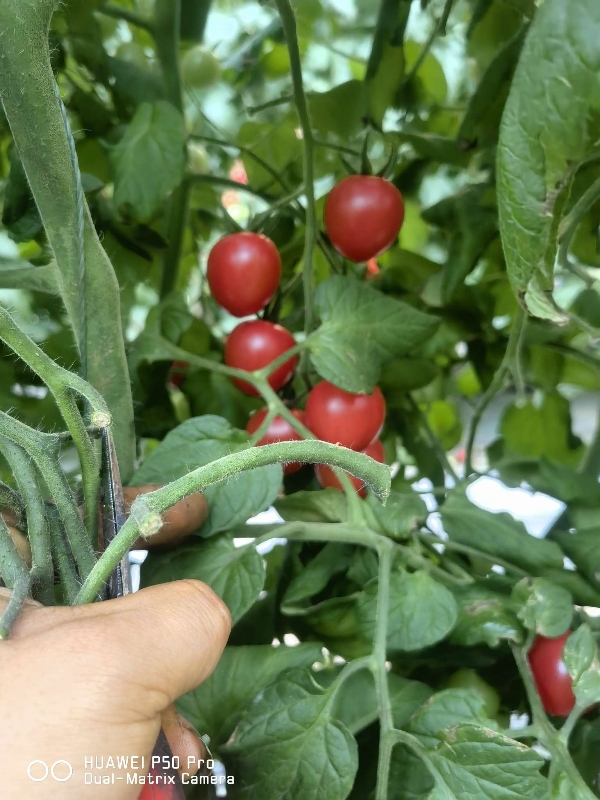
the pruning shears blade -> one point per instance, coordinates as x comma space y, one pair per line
165, 783
113, 516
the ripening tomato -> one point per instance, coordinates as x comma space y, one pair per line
254, 345
552, 680
244, 270
200, 68
278, 431
327, 477
363, 216
352, 420
178, 373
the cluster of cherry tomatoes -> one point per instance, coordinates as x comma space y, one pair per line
363, 216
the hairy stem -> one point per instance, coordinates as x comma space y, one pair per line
145, 519
386, 721
65, 565
288, 22
41, 447
24, 471
19, 595
35, 114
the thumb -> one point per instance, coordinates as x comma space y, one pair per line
168, 637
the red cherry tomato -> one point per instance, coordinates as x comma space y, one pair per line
363, 216
157, 791
327, 477
278, 431
352, 420
178, 373
253, 345
244, 270
552, 680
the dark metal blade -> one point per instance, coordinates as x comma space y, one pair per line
166, 783
113, 516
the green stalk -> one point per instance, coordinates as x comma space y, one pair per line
17, 600
14, 502
167, 20
34, 112
65, 566
145, 519
386, 722
42, 448
63, 384
547, 733
288, 22
42, 572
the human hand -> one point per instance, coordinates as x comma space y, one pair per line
93, 681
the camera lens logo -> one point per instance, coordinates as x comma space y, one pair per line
60, 771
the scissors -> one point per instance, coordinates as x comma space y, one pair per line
165, 782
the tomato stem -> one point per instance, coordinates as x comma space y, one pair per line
386, 722
131, 17
145, 512
288, 22
24, 471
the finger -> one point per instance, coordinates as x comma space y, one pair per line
184, 741
179, 521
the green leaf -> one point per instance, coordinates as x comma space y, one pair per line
422, 611
580, 590
546, 609
498, 535
356, 700
546, 132
359, 320
22, 275
471, 217
341, 110
328, 505
198, 441
154, 137
482, 118
583, 548
484, 617
315, 576
290, 745
477, 762
401, 514
277, 145
217, 705
543, 430
582, 660
236, 574
404, 375
445, 710
383, 85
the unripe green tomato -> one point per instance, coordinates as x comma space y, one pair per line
467, 381
470, 679
276, 63
133, 53
200, 68
445, 422
198, 160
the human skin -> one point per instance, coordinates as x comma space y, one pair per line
98, 680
